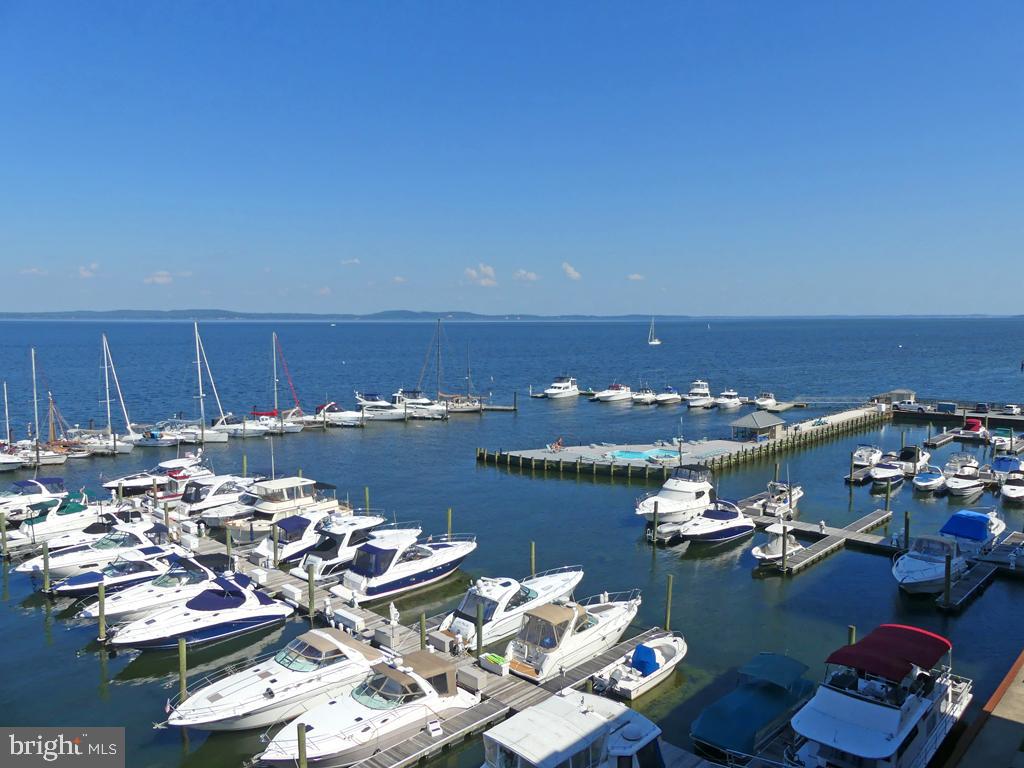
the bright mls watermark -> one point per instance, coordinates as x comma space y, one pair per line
79, 747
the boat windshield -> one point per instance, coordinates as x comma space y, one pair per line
116, 539
248, 499
387, 690
932, 548
371, 561
300, 656
467, 608
195, 492
123, 567
179, 576
541, 633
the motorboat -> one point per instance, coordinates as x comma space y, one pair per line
242, 508
638, 671
1002, 439
771, 550
615, 393
504, 601
185, 578
912, 459
781, 500
1012, 489
644, 396
770, 689
229, 608
686, 493
652, 340
16, 502
276, 423
315, 667
866, 456
728, 400
699, 395
719, 523
158, 436
333, 415
87, 557
562, 386
396, 702
396, 561
668, 396
558, 636
765, 400
133, 567
107, 444
885, 700
200, 434
339, 538
209, 492
54, 518
138, 483
973, 429
417, 405
976, 530
1003, 465
966, 482
9, 461
922, 569
887, 471
455, 404
957, 461
33, 457
238, 426
376, 408
280, 498
96, 530
931, 479
296, 535
575, 728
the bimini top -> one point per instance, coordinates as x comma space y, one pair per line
294, 524
967, 524
1005, 464
892, 650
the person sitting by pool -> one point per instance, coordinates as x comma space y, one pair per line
557, 445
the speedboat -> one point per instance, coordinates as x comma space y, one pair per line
614, 393
417, 405
87, 557
644, 396
668, 396
280, 498
699, 395
339, 538
16, 502
335, 416
1012, 489
313, 668
209, 492
686, 493
781, 500
770, 689
229, 608
912, 459
931, 479
771, 550
966, 482
719, 523
958, 461
1002, 465
504, 602
184, 579
375, 408
562, 386
296, 535
866, 456
765, 400
973, 429
728, 400
9, 461
139, 483
236, 426
395, 561
242, 508
54, 518
887, 471
639, 670
976, 530
1002, 439
133, 567
922, 569
558, 636
396, 702
885, 701
575, 728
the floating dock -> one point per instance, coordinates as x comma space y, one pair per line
1002, 558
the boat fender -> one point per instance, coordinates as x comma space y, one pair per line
268, 694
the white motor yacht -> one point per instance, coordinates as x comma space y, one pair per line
922, 569
280, 498
558, 636
16, 502
885, 701
966, 482
315, 667
721, 522
237, 426
241, 509
781, 500
729, 399
668, 396
54, 518
86, 557
209, 492
335, 416
9, 461
615, 393
699, 395
866, 456
504, 602
108, 444
196, 434
340, 536
96, 530
1012, 489
417, 405
296, 535
562, 386
771, 550
765, 400
638, 671
686, 493
137, 566
376, 408
276, 423
396, 702
975, 530
931, 479
644, 396
138, 483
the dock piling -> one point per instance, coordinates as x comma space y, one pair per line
948, 583
227, 546
423, 631
776, 471
668, 605
301, 727
245, 465
449, 523
903, 439
906, 529
120, 492
273, 533
46, 566
3, 533
853, 467
888, 495
479, 629
154, 493
299, 472
851, 634
533, 558
102, 637
311, 595
182, 670
785, 550
366, 498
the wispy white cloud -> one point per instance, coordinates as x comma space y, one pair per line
34, 271
570, 271
351, 262
483, 275
398, 279
161, 277
323, 290
526, 276
86, 272
635, 277
185, 274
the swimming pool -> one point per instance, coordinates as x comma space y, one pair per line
654, 453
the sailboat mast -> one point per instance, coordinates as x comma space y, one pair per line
7, 417
52, 421
273, 360
199, 377
117, 386
106, 384
439, 357
35, 399
213, 384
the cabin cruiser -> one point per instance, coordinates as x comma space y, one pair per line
208, 492
975, 530
770, 689
33, 456
966, 482
242, 508
562, 386
232, 606
958, 461
335, 416
615, 393
922, 569
185, 578
668, 396
558, 636
1002, 439
418, 406
1002, 465
276, 423
884, 701
699, 395
765, 400
644, 396
781, 500
504, 602
866, 456
912, 459
1012, 489
973, 429
396, 561
200, 434
161, 475
296, 535
686, 493
54, 518
16, 502
235, 426
728, 400
159, 436
719, 523
310, 670
376, 408
931, 479
339, 538
107, 444
9, 461
280, 498
87, 557
133, 567
638, 671
887, 471
771, 550
96, 530
393, 704
575, 728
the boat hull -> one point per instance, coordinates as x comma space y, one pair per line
213, 633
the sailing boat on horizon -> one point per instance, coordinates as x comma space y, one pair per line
277, 422
652, 340
200, 434
109, 443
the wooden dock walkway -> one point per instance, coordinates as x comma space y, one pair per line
834, 539
1002, 559
941, 439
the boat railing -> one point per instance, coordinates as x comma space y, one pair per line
622, 596
450, 538
195, 685
553, 572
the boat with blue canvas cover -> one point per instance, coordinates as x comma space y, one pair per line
719, 523
976, 530
296, 535
771, 689
95, 554
134, 567
1002, 466
638, 671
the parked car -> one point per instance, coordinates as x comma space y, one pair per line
981, 408
910, 405
1011, 410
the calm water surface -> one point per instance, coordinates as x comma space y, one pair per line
59, 675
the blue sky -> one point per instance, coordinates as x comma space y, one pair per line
691, 158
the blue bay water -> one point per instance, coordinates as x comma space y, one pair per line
417, 470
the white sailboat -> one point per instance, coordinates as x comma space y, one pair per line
109, 443
652, 340
8, 460
274, 420
199, 434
